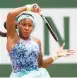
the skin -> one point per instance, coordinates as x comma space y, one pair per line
25, 29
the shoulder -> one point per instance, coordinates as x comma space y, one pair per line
37, 40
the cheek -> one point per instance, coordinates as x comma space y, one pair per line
21, 30
32, 29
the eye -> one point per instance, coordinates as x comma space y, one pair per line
30, 25
23, 24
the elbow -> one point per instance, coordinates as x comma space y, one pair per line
45, 65
41, 65
10, 15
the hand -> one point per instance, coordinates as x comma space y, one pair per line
36, 8
64, 53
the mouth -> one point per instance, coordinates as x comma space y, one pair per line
25, 33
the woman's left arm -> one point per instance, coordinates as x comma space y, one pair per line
43, 62
60, 53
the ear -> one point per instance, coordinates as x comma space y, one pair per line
17, 26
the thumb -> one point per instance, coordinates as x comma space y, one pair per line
63, 45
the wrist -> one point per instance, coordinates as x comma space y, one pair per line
29, 7
55, 57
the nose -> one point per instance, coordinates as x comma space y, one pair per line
26, 27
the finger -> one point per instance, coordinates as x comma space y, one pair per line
38, 10
35, 5
65, 52
68, 54
70, 50
63, 45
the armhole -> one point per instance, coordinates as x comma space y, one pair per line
36, 41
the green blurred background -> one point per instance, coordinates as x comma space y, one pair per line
55, 70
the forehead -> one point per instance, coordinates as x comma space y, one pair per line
26, 20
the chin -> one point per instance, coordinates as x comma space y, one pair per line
26, 37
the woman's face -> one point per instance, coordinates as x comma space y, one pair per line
25, 28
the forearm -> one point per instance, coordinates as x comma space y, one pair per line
17, 11
11, 18
47, 62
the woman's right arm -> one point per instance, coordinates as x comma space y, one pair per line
10, 22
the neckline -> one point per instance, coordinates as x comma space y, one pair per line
26, 39
30, 39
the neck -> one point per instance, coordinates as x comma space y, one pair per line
25, 38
